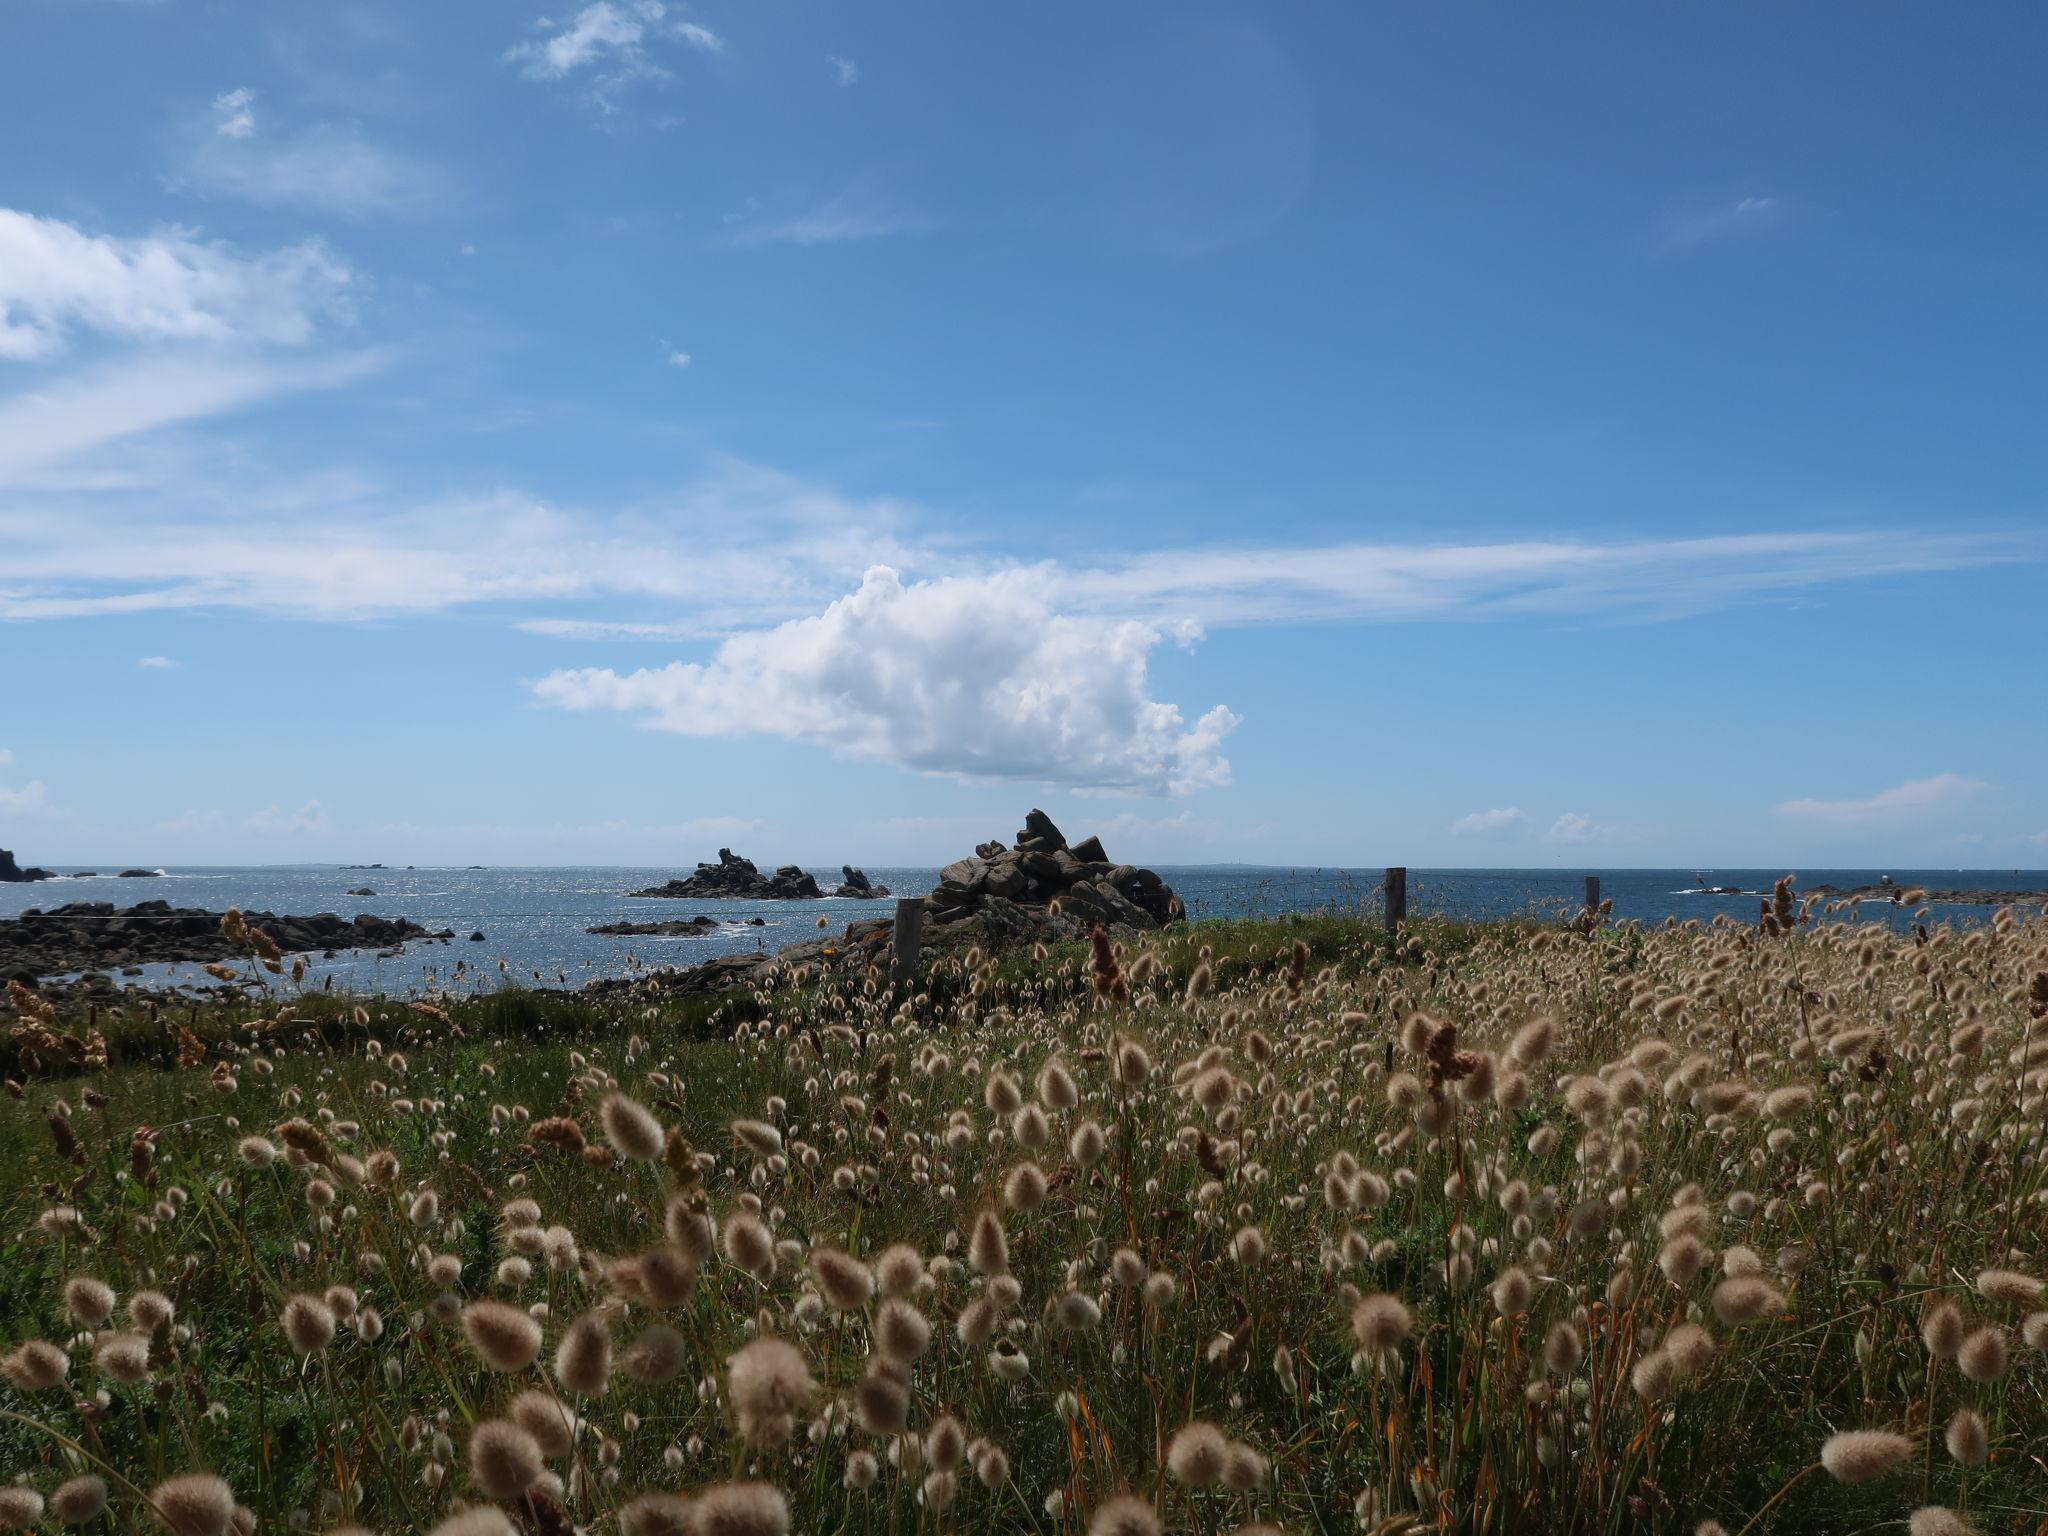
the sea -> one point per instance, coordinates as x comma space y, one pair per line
534, 921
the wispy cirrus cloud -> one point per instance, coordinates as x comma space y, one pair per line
1495, 823
854, 214
329, 168
743, 545
1908, 801
43, 431
234, 113
1695, 224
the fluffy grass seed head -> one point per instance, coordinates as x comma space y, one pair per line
1863, 1455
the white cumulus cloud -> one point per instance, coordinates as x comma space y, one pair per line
155, 663
976, 677
1572, 827
166, 286
1494, 823
1911, 800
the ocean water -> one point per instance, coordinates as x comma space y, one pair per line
533, 920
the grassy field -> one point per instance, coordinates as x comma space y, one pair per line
1256, 1224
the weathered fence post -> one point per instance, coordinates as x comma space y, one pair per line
909, 929
1592, 893
1397, 896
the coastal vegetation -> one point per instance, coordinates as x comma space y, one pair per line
1223, 1227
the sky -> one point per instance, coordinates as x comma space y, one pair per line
1277, 433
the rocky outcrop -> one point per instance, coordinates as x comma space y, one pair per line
855, 882
12, 873
140, 874
733, 878
1041, 888
688, 928
96, 935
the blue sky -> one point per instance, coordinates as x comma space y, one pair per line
1282, 433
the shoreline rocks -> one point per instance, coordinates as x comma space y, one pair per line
98, 936
1914, 896
13, 874
855, 882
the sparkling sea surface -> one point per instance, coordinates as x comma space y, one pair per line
533, 920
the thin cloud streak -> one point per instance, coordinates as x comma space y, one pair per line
44, 429
1912, 800
362, 556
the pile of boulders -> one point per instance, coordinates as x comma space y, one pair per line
1043, 888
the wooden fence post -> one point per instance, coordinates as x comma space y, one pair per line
1592, 893
1397, 896
909, 930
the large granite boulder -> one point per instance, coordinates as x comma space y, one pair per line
855, 882
733, 878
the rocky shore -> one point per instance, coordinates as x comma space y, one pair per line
96, 935
733, 878
1038, 889
1914, 896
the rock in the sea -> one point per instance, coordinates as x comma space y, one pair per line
13, 874
140, 874
734, 878
96, 935
688, 928
360, 890
855, 882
